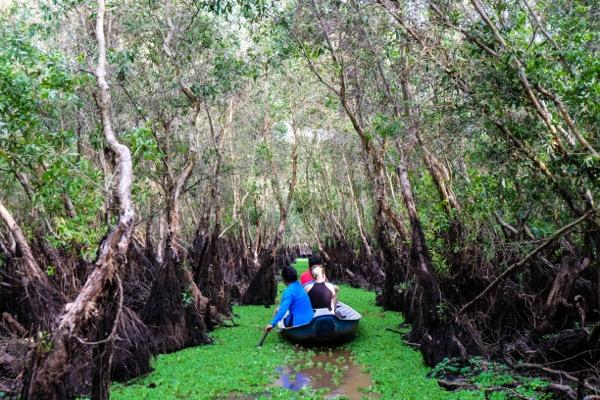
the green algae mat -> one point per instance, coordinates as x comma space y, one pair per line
233, 367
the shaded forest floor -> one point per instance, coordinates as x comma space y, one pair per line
233, 367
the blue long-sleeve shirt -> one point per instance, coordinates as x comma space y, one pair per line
295, 300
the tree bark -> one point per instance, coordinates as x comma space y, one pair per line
383, 215
420, 266
262, 289
93, 312
561, 287
176, 310
44, 298
356, 208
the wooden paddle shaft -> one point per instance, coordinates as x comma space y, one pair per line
262, 339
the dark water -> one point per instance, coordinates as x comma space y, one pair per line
333, 370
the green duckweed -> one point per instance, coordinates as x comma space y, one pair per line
235, 365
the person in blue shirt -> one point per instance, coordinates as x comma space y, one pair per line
295, 300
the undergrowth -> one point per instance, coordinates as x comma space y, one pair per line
234, 364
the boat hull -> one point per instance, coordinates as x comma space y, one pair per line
325, 329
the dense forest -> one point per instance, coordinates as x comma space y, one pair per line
160, 161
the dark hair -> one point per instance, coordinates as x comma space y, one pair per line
289, 274
314, 260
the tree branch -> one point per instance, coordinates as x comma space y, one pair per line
562, 231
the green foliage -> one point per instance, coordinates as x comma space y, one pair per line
434, 219
226, 75
32, 84
249, 9
263, 151
51, 270
442, 311
280, 130
142, 144
187, 297
302, 199
486, 374
234, 365
79, 181
403, 287
36, 92
123, 62
43, 342
573, 71
253, 213
387, 127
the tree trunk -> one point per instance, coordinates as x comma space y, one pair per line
454, 235
359, 222
93, 312
262, 289
427, 291
176, 310
44, 299
561, 287
428, 313
207, 258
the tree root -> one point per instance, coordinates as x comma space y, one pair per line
556, 372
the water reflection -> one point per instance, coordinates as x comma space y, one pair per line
332, 370
288, 379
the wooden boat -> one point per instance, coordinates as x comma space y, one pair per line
325, 327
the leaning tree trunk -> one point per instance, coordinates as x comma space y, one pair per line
208, 254
263, 286
176, 310
357, 215
384, 215
45, 301
427, 293
454, 234
433, 327
558, 297
95, 312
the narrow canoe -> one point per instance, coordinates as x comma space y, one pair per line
325, 327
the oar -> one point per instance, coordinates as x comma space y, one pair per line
262, 339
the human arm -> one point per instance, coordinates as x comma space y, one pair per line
334, 291
286, 302
308, 287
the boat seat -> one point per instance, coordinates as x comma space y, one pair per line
322, 311
342, 311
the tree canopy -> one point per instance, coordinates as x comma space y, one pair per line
173, 155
